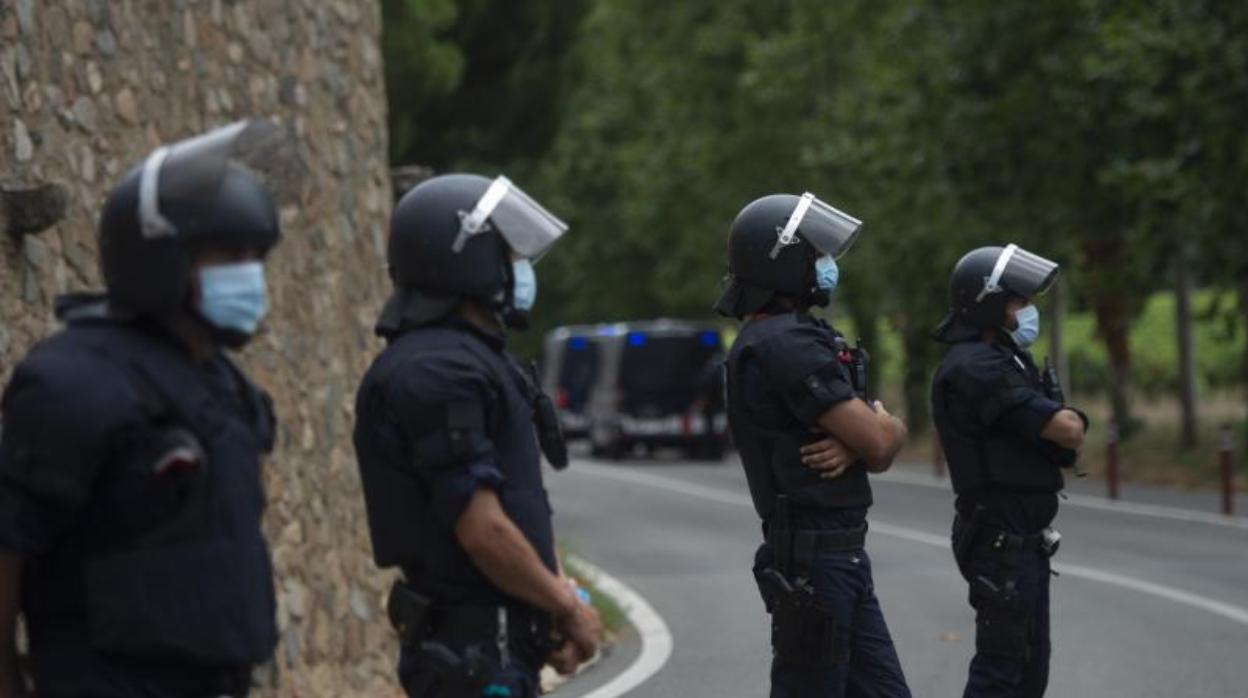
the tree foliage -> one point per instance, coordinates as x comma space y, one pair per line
1104, 133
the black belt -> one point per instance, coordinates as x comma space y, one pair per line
1004, 541
808, 543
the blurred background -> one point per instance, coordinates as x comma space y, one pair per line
1107, 135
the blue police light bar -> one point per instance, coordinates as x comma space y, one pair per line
577, 343
636, 339
710, 338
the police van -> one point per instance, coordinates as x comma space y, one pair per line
649, 384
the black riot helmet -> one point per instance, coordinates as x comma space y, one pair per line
772, 247
985, 280
451, 238
191, 195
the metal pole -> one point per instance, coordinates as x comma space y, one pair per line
1226, 466
1111, 459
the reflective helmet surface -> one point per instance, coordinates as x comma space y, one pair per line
772, 247
752, 240
195, 194
149, 275
423, 233
987, 278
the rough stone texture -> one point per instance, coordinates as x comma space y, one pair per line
87, 89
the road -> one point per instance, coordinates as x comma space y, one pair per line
1147, 605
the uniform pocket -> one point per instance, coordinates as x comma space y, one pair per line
1001, 619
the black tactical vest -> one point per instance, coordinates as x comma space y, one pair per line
400, 514
979, 457
168, 574
770, 453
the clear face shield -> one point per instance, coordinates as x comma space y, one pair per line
827, 229
526, 225
193, 169
1021, 272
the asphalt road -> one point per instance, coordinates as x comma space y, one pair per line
1148, 605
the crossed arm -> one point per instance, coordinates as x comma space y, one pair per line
853, 436
855, 432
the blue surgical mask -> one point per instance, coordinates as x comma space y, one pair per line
233, 296
1028, 330
524, 294
827, 273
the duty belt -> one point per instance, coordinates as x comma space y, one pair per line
1005, 541
808, 543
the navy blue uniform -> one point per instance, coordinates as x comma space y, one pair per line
784, 371
443, 412
130, 486
989, 409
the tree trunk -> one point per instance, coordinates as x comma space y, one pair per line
916, 387
1111, 304
1243, 370
1187, 348
1112, 321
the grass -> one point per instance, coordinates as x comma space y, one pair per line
614, 619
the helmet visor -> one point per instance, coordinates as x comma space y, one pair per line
526, 225
827, 229
1021, 272
193, 169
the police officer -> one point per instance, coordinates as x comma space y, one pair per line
808, 439
449, 434
130, 484
1007, 434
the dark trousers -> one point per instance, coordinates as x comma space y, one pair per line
517, 680
1009, 591
842, 581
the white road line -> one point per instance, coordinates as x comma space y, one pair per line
656, 639
1088, 502
1231, 612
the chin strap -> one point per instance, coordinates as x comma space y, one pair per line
513, 319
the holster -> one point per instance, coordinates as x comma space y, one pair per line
491, 637
458, 676
409, 613
804, 631
1001, 620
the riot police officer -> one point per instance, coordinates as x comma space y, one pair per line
130, 484
1007, 433
807, 438
449, 435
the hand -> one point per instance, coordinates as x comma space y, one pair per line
582, 629
828, 456
879, 407
564, 659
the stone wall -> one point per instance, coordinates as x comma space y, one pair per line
87, 88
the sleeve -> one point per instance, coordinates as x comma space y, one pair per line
60, 415
803, 364
443, 404
1003, 398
